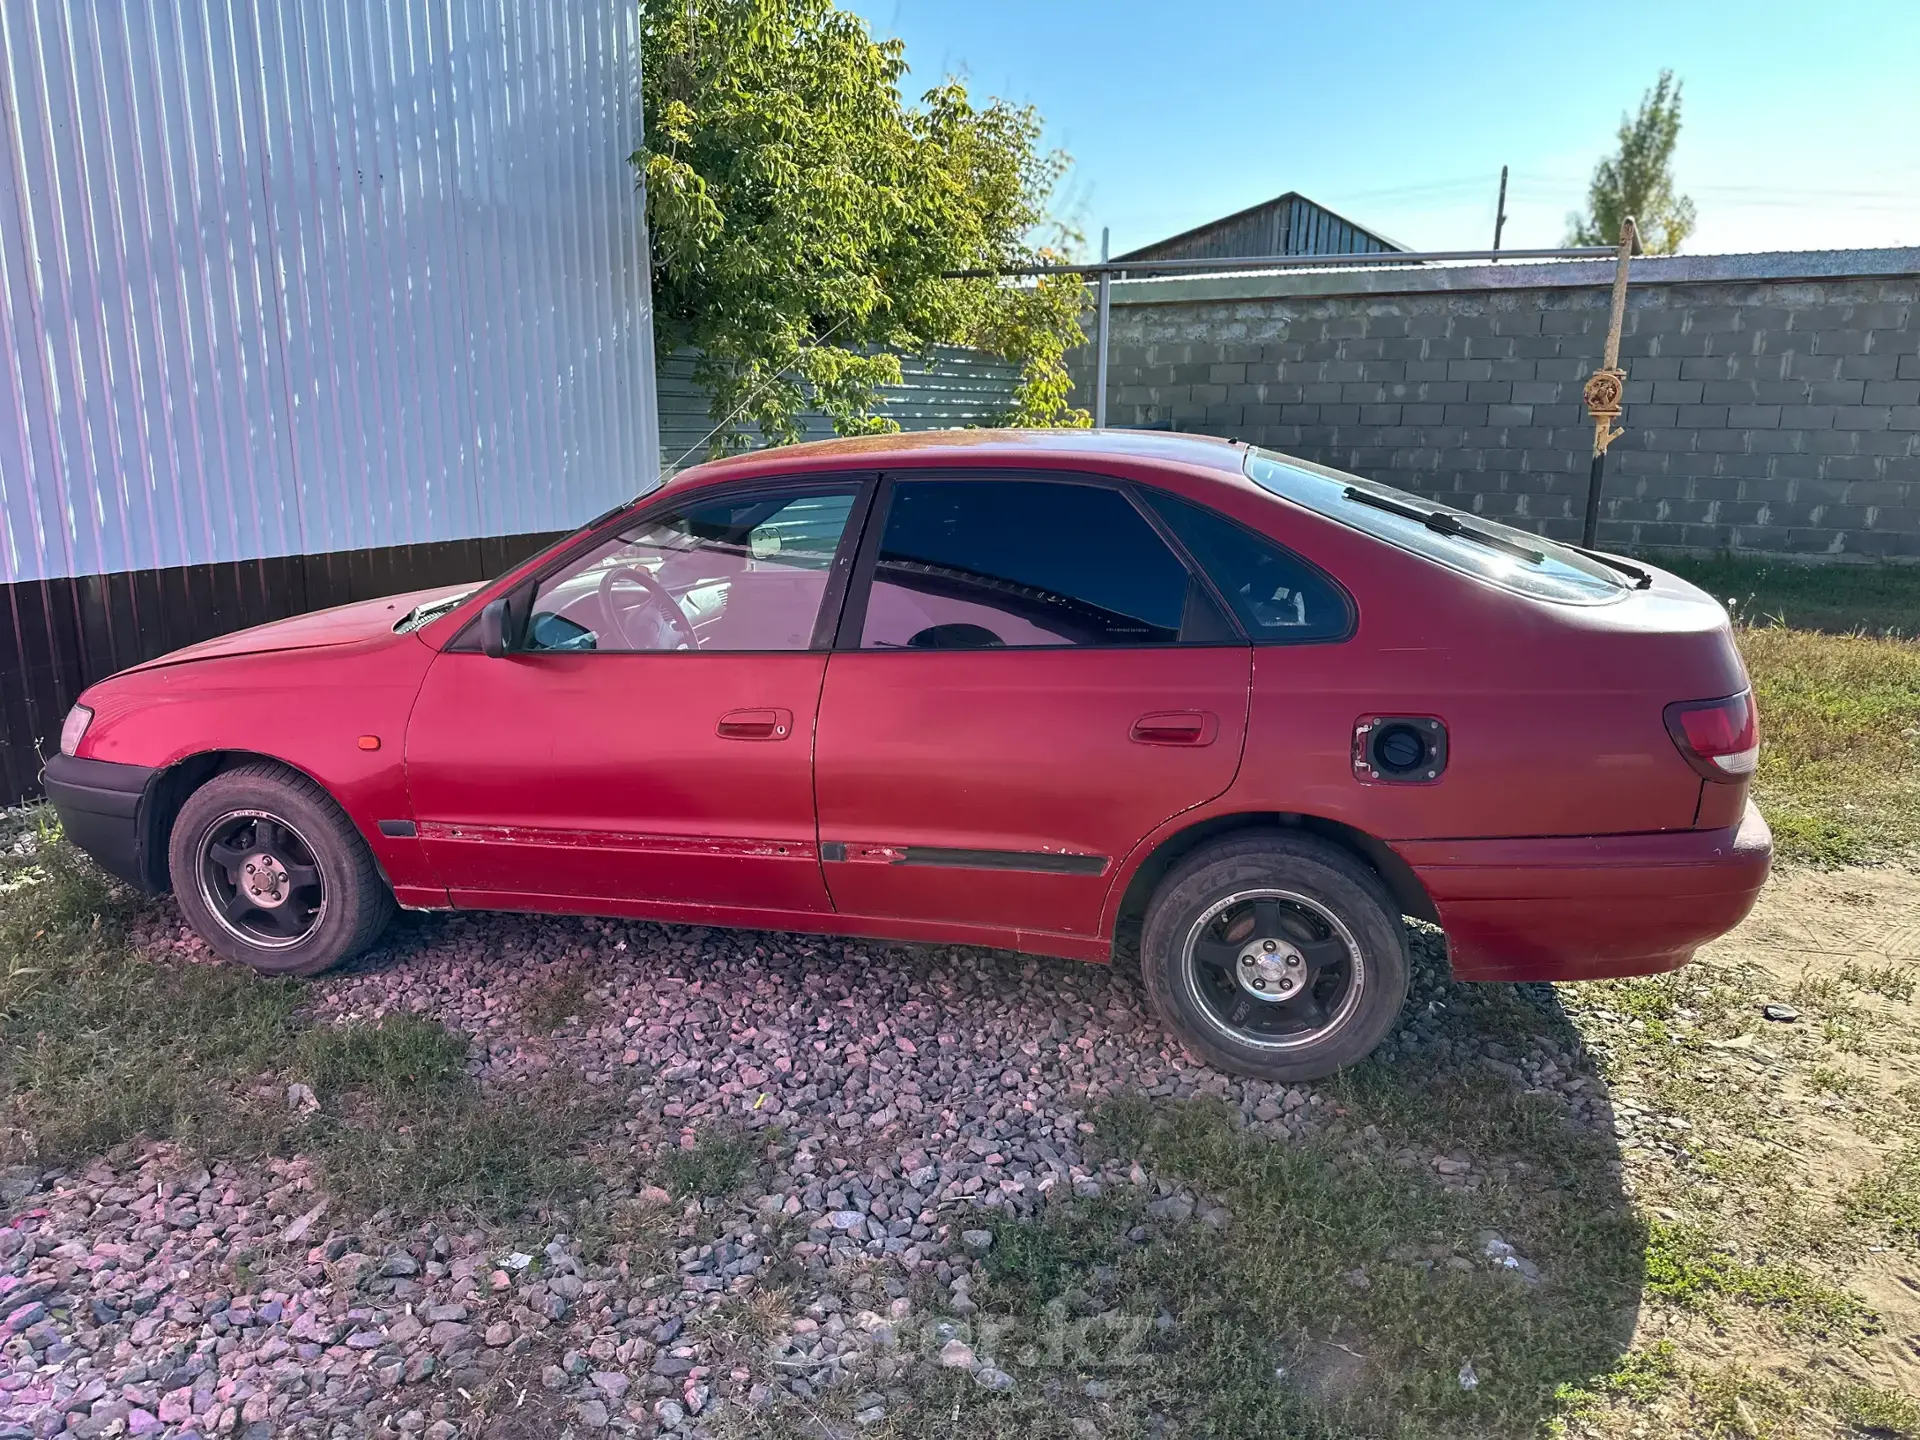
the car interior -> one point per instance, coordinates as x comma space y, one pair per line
681, 582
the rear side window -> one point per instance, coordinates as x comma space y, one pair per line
977, 564
1276, 595
1516, 560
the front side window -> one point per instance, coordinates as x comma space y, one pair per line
978, 564
1516, 560
742, 574
1277, 596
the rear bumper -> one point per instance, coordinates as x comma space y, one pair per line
1593, 907
101, 806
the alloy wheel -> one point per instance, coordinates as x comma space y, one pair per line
1272, 968
260, 879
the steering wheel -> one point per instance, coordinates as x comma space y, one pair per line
654, 601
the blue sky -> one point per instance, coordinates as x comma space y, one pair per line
1802, 121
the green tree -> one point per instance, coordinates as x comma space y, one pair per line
802, 212
1638, 181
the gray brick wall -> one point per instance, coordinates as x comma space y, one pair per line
1772, 402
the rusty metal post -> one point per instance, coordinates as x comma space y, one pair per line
1605, 387
1100, 357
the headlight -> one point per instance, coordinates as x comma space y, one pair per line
72, 732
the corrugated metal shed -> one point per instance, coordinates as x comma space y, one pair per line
1289, 224
952, 387
296, 277
300, 302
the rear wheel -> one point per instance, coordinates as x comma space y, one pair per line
1275, 956
271, 873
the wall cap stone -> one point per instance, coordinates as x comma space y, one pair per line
1764, 266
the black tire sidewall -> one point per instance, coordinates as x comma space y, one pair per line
1306, 866
338, 853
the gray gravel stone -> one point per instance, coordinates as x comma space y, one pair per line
895, 1098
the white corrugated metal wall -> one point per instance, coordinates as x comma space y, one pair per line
292, 277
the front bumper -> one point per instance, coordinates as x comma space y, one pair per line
1591, 907
102, 808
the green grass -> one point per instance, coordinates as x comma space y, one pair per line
449, 1150
1872, 1411
1687, 1266
401, 1126
1889, 1198
395, 1058
1835, 599
1332, 1271
96, 1046
1639, 1377
556, 1000
1895, 982
1836, 671
99, 1046
718, 1164
1839, 776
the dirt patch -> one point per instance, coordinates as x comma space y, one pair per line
1807, 916
1843, 950
1329, 1373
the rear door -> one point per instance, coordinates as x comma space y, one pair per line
1027, 681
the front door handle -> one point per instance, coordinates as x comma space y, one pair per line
756, 725
1176, 727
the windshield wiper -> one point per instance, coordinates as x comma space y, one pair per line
1642, 580
426, 614
1443, 523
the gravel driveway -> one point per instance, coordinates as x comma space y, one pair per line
902, 1095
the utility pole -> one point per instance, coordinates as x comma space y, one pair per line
1605, 387
1500, 211
1100, 360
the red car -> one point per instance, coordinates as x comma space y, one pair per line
1029, 690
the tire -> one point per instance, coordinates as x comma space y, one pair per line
1279, 957
301, 892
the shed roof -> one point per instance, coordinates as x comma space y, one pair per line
1288, 224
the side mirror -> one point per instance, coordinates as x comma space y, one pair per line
493, 629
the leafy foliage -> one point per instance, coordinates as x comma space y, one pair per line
802, 214
1638, 180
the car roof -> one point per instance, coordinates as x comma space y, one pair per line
972, 447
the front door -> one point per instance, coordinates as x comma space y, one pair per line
1029, 682
648, 739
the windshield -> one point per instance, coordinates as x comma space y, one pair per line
1516, 560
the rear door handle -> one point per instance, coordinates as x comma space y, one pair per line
1176, 727
756, 725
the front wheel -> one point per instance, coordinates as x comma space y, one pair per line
271, 873
1275, 956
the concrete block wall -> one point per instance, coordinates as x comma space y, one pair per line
1772, 401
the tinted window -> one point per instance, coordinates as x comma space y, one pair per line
732, 575
1517, 560
972, 564
1276, 595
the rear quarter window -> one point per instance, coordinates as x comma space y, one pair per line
1277, 597
1515, 560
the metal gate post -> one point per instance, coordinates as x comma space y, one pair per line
1100, 358
1604, 388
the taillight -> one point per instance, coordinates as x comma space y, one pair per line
1719, 738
